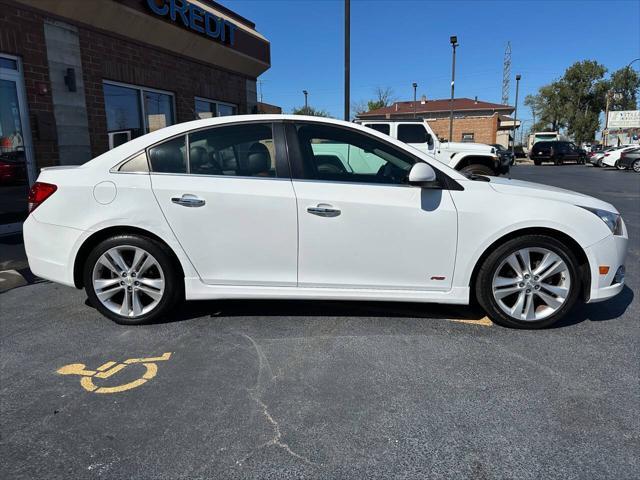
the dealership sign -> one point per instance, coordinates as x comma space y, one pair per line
624, 119
195, 18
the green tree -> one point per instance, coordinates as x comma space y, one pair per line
314, 112
624, 86
583, 91
548, 107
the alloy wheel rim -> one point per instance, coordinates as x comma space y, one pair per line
636, 166
128, 281
531, 284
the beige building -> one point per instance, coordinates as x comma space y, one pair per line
473, 120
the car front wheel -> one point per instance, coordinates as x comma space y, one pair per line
528, 282
477, 169
620, 166
132, 279
636, 166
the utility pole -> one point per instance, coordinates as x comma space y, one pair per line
506, 74
306, 104
347, 58
605, 133
515, 116
454, 43
415, 87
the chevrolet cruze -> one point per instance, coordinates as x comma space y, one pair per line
279, 206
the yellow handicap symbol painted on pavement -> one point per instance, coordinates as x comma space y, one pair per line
111, 368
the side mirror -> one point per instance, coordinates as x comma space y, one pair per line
429, 141
423, 175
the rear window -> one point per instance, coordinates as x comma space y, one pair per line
543, 146
412, 133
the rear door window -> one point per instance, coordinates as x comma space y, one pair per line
380, 127
412, 133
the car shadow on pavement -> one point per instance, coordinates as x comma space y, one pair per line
600, 311
318, 308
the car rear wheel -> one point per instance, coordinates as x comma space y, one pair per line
636, 166
528, 282
478, 169
132, 279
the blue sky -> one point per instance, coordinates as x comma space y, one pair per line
394, 43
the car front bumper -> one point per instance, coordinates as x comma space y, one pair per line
503, 163
610, 252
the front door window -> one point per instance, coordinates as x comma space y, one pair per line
340, 155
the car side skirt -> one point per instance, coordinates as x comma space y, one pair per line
196, 290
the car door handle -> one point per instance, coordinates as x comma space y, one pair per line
324, 210
188, 200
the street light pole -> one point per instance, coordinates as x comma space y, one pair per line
347, 58
454, 43
515, 116
306, 104
415, 86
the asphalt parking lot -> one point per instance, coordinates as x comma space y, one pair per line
277, 389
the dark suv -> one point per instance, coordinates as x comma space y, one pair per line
557, 152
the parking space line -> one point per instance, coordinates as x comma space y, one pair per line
484, 322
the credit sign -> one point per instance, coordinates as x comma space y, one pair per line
195, 18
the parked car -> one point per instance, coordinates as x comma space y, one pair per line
467, 157
630, 160
596, 158
288, 206
519, 151
611, 158
557, 152
504, 154
13, 170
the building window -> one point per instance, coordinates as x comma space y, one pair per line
206, 108
133, 111
467, 137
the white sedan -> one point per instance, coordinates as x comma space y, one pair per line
611, 159
281, 206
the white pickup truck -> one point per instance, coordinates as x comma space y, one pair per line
466, 157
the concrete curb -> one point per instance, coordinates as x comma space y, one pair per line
11, 279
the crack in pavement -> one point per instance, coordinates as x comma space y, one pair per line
265, 371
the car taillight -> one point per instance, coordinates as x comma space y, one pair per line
39, 192
606, 154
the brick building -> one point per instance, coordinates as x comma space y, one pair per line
473, 120
80, 77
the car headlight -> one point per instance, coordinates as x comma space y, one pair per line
611, 219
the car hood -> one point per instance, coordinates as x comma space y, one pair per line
521, 188
461, 146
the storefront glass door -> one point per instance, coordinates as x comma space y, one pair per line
16, 153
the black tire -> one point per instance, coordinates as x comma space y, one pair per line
636, 166
557, 161
478, 169
537, 162
620, 166
173, 281
484, 280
